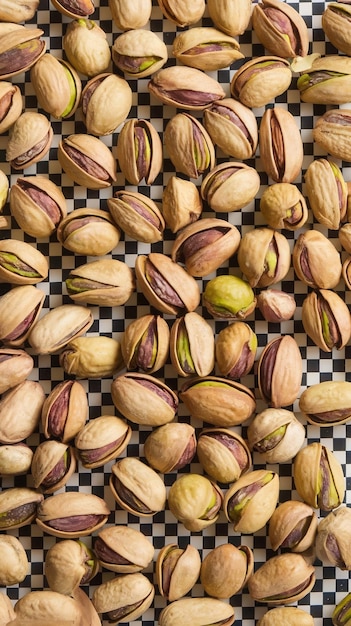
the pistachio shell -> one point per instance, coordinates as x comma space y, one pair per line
181, 203
43, 607
137, 215
332, 132
88, 231
105, 282
327, 403
181, 13
189, 146
74, 8
15, 37
132, 550
235, 350
232, 127
18, 10
25, 399
47, 456
319, 477
58, 327
280, 371
230, 186
195, 501
99, 166
293, 525
67, 566
276, 306
231, 18
139, 151
283, 206
21, 263
185, 87
225, 570
137, 488
256, 506
25, 302
278, 131
280, 28
170, 447
14, 563
327, 192
10, 105
260, 80
86, 46
139, 53
65, 411
18, 507
279, 580
276, 435
130, 593
192, 345
15, 459
145, 343
98, 118
127, 16
15, 366
37, 204
57, 86
197, 612
92, 357
206, 49
335, 25
288, 615
336, 86
7, 612
223, 454
177, 570
98, 434
29, 140
326, 319
333, 539
63, 515
264, 256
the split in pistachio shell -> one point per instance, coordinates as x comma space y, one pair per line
14, 563
25, 302
25, 399
123, 549
21, 47
327, 403
279, 131
293, 525
87, 161
127, 16
264, 256
319, 477
231, 18
86, 47
30, 139
72, 514
99, 119
64, 411
139, 53
88, 231
326, 319
181, 203
332, 132
333, 539
283, 206
280, 28
38, 205
137, 215
276, 434
15, 459
185, 87
181, 12
328, 81
21, 263
195, 501
206, 49
10, 105
44, 607
287, 615
101, 440
283, 579
18, 507
57, 86
223, 454
58, 327
139, 151
316, 261
16, 11
260, 80
92, 357
335, 24
145, 343
105, 282
232, 127
199, 611
137, 488
327, 192
192, 345
229, 297
230, 186
276, 306
235, 350
280, 371
15, 367
74, 8
52, 465
68, 564
123, 598
225, 570
344, 235
189, 146
177, 570
341, 615
170, 447
218, 401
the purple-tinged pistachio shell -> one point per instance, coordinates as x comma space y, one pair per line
195, 501
139, 151
293, 525
99, 119
124, 598
29, 140
250, 501
137, 215
101, 440
280, 28
236, 347
280, 372
25, 303
189, 146
327, 403
326, 319
186, 88
68, 564
316, 261
74, 8
276, 434
38, 205
65, 411
139, 52
170, 447
145, 344
232, 127
177, 570
21, 46
52, 465
192, 345
279, 131
18, 507
223, 454
72, 514
15, 366
25, 400
276, 306
283, 579
87, 161
225, 570
319, 477
260, 80
137, 488
21, 263
123, 549
10, 105
333, 539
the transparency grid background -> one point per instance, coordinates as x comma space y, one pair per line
331, 584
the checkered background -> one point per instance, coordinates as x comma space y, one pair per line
331, 584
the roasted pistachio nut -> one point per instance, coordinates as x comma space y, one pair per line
230, 186
44, 607
229, 297
29, 141
25, 303
218, 401
15, 459
18, 507
316, 261
74, 8
327, 403
181, 203
137, 215
185, 88
16, 11
105, 282
139, 151
260, 80
279, 131
280, 28
344, 235
52, 465
293, 525
123, 598
232, 127
235, 350
25, 399
170, 447
280, 371
65, 411
68, 564
92, 357
123, 549
181, 13
139, 53
166, 285
98, 118
21, 263
195, 501
57, 86
231, 18
10, 105
276, 434
346, 267
250, 501
283, 206
319, 477
87, 161
143, 399
38, 205
225, 570
197, 612
88, 231
223, 454
341, 613
332, 132
264, 256
72, 514
333, 539
326, 319
192, 345
7, 613
327, 192
177, 570
127, 16
137, 488
189, 146
4, 187
288, 615
58, 327
86, 47
205, 245
276, 306
15, 367
145, 343
283, 579
21, 47
328, 81
14, 563
206, 49
335, 22
101, 440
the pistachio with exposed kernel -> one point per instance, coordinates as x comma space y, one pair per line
283, 579
230, 186
278, 131
229, 297
326, 319
328, 81
185, 87
21, 263
29, 141
223, 454
327, 403
250, 501
177, 570
293, 525
335, 24
74, 8
170, 447
86, 47
206, 49
57, 86
25, 302
137, 215
189, 145
276, 306
332, 132
87, 161
280, 371
192, 345
139, 53
225, 570
72, 514
181, 203
276, 434
139, 151
10, 105
105, 282
64, 411
280, 28
21, 47
333, 539
264, 256
88, 231
15, 366
137, 488
145, 343
327, 192
283, 206
58, 327
236, 346
38, 205
341, 614
195, 501
18, 507
319, 477
316, 261
52, 465
123, 549
123, 598
101, 440
68, 564
232, 127
99, 119
260, 80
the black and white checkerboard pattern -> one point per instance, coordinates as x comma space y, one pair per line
331, 584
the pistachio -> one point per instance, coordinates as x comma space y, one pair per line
333, 538
280, 371
341, 613
91, 357
283, 579
25, 302
30, 140
139, 151
293, 525
319, 477
74, 8
327, 403
223, 454
57, 86
53, 464
335, 24
43, 607
177, 570
181, 13
236, 346
189, 145
316, 261
145, 343
72, 514
25, 399
225, 570
250, 501
87, 161
264, 256
127, 16
328, 81
10, 105
230, 186
88, 231
332, 132
64, 411
283, 206
124, 598
232, 127
280, 28
86, 47
102, 440
276, 435
18, 507
123, 549
260, 80
278, 131
327, 192
58, 327
229, 297
192, 345
15, 366
4, 187
288, 615
185, 87
68, 564
38, 205
206, 49
21, 263
170, 447
15, 459
7, 612
137, 215
20, 48
344, 235
14, 563
231, 18
139, 53
181, 203
137, 488
202, 611
105, 282
346, 267
18, 10
195, 501
99, 119
276, 306
326, 319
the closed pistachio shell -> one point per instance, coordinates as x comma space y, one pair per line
43, 607
225, 570
87, 161
59, 326
264, 256
137, 488
206, 49
105, 282
139, 151
64, 411
74, 8
278, 131
139, 53
288, 615
137, 215
197, 612
177, 570
232, 127
145, 343
14, 563
283, 579
18, 507
123, 549
26, 399
280, 28
223, 454
319, 477
230, 186
333, 539
170, 447
235, 350
127, 16
316, 261
10, 105
293, 525
25, 302
280, 371
185, 87
101, 440
21, 263
7, 612
68, 564
283, 206
326, 319
335, 19
192, 345
72, 514
181, 13
15, 459
195, 501
232, 18
276, 306
100, 119
52, 466
21, 46
327, 192
57, 86
327, 403
344, 235
29, 140
18, 10
92, 357
124, 597
38, 205
260, 80
250, 501
181, 203
86, 47
276, 434
332, 132
189, 146
4, 190
328, 81
15, 367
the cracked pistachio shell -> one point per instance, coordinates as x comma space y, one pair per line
166, 285
225, 570
101, 440
230, 186
185, 87
15, 459
177, 570
316, 261
195, 501
4, 189
7, 613
87, 161
105, 282
52, 466
88, 231
327, 192
327, 81
197, 612
327, 403
319, 477
223, 454
126, 597
25, 303
137, 488
326, 319
205, 245
346, 272
280, 371
235, 350
276, 434
189, 146
74, 8
20, 48
139, 53
206, 49
293, 525
279, 131
123, 549
143, 399
283, 206
58, 327
218, 401
127, 16
38, 205
18, 506
10, 105
145, 343
264, 256
181, 203
335, 23
231, 18
137, 215
192, 345
333, 539
332, 131
72, 514
92, 357
170, 447
182, 13
25, 399
229, 297
29, 140
98, 118
16, 11
232, 127
139, 151
287, 615
64, 411
283, 579
276, 306
260, 80
280, 29
57, 86
86, 47
14, 563
15, 366
43, 607
255, 495
21, 263
68, 564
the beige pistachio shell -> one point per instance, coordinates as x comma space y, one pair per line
260, 506
4, 190
346, 272
137, 215
327, 403
197, 612
235, 350
231, 18
314, 467
64, 507
152, 152
280, 371
335, 21
192, 345
232, 127
344, 235
275, 40
21, 263
6, 610
145, 343
276, 434
181, 203
11, 97
316, 251
18, 507
82, 8
99, 119
130, 544
14, 563
15, 366
230, 186
127, 16
273, 581
189, 146
195, 501
283, 206
332, 132
99, 433
170, 447
264, 256
177, 570
206, 49
181, 12
15, 459
260, 80
105, 282
279, 131
275, 305
288, 615
30, 139
198, 90
130, 590
336, 86
144, 484
99, 169
52, 80
46, 456
18, 10
64, 424
327, 192
43, 607
326, 319
293, 525
66, 567
223, 454
88, 231
86, 47
12, 37
24, 301
92, 357
139, 46
90, 615
225, 570
29, 213
333, 539
58, 327
25, 399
